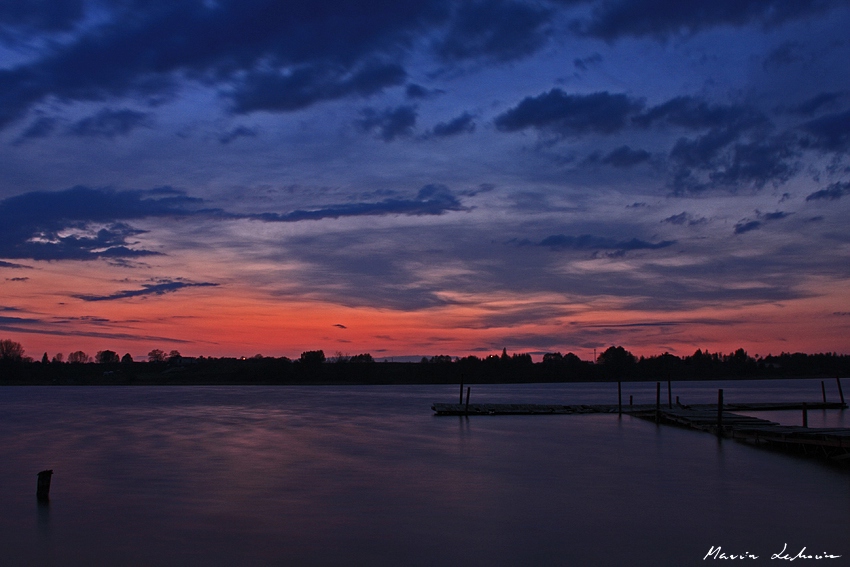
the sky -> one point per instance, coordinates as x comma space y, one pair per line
241, 177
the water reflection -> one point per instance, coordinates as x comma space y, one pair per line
340, 476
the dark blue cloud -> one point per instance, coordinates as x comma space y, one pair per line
500, 30
430, 200
55, 225
693, 113
40, 128
13, 265
159, 288
463, 124
590, 242
816, 103
109, 123
585, 63
664, 18
685, 218
566, 114
624, 156
390, 123
247, 47
830, 132
238, 132
747, 226
40, 15
735, 146
308, 85
831, 193
83, 223
418, 92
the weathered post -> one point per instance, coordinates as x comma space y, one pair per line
669, 396
823, 391
619, 398
467, 400
805, 415
657, 402
42, 492
631, 400
840, 391
720, 412
461, 393
677, 401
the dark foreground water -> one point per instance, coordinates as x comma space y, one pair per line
368, 476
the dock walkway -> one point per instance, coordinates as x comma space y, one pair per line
831, 443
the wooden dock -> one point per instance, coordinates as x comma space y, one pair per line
831, 443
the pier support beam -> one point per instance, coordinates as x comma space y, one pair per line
466, 409
805, 415
658, 402
823, 391
42, 492
840, 391
669, 396
619, 398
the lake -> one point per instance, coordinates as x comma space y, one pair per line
367, 475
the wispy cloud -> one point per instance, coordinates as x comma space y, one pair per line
159, 288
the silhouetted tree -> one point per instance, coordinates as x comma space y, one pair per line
553, 358
312, 357
127, 358
365, 357
44, 359
616, 362
58, 358
106, 357
11, 351
78, 357
175, 357
156, 355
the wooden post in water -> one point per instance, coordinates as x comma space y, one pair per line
619, 398
840, 391
805, 415
657, 402
461, 393
42, 491
467, 400
720, 412
669, 396
677, 401
823, 391
631, 399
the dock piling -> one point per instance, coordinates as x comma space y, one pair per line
823, 391
461, 393
42, 492
805, 415
840, 391
669, 396
720, 412
631, 400
619, 398
657, 402
466, 409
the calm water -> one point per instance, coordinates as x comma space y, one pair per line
368, 476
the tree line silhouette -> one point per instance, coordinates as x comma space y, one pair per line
314, 367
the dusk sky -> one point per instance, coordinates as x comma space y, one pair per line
233, 177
